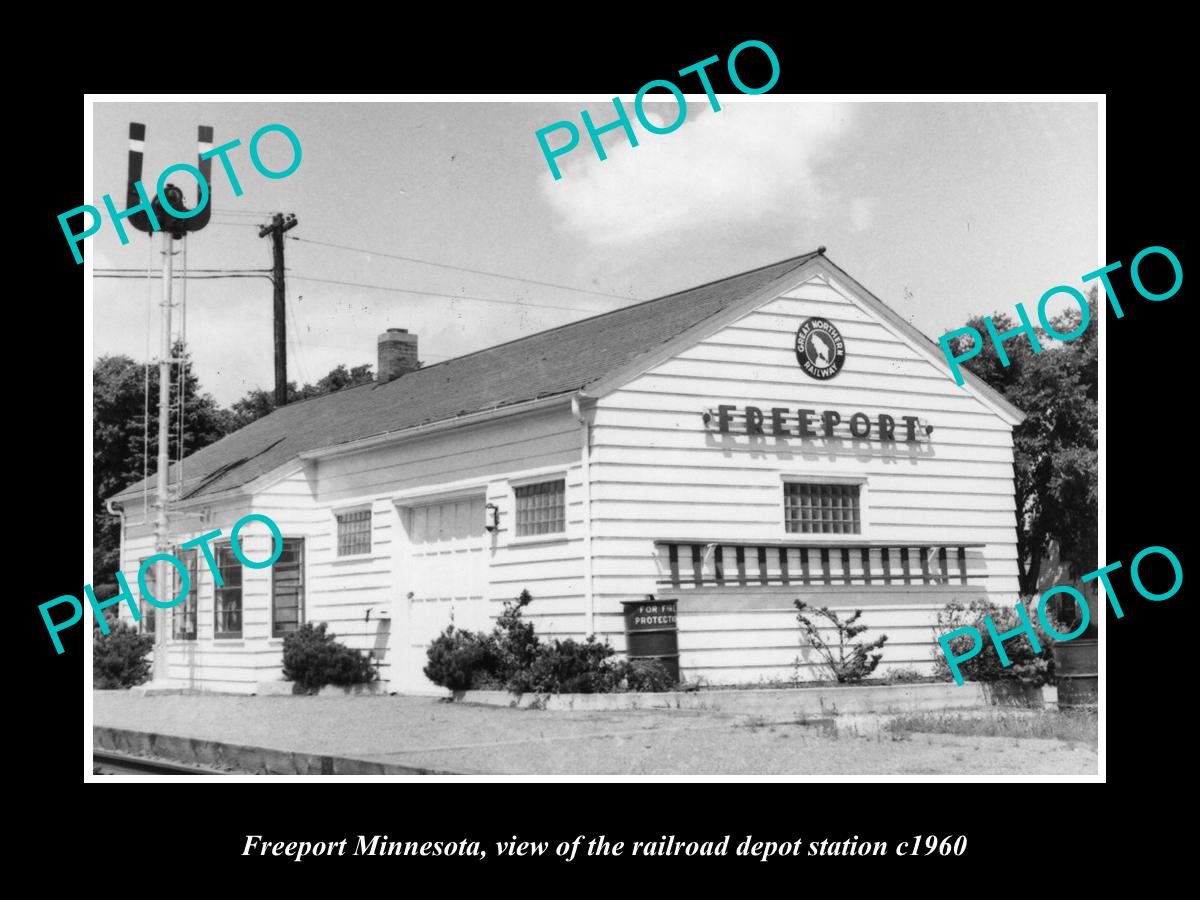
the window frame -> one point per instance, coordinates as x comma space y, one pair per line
218, 634
337, 531
515, 485
275, 632
147, 610
193, 597
864, 521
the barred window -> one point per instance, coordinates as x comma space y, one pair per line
183, 614
287, 588
228, 598
541, 508
354, 532
822, 508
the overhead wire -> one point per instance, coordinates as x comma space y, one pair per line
426, 262
380, 287
302, 369
204, 274
235, 269
189, 277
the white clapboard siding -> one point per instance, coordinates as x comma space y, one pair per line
737, 471
493, 448
235, 665
658, 473
486, 454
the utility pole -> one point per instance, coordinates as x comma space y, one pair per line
278, 226
162, 541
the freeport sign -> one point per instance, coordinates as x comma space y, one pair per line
808, 423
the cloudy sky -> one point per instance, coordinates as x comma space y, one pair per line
941, 210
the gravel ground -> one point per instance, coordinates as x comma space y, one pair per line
426, 732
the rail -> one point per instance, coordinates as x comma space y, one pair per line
124, 764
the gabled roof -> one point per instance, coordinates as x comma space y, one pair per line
559, 361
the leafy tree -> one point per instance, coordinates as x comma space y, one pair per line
119, 402
1055, 448
258, 402
119, 431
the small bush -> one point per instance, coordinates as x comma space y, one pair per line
848, 660
513, 658
1027, 667
515, 644
460, 660
904, 675
119, 657
641, 675
312, 659
567, 667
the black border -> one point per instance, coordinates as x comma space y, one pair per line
1008, 825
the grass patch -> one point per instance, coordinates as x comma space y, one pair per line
1073, 726
792, 684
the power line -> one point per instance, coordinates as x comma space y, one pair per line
295, 341
242, 212
380, 287
426, 262
124, 277
241, 271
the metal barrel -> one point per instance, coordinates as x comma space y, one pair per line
1076, 667
652, 632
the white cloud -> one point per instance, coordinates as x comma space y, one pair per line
726, 167
862, 214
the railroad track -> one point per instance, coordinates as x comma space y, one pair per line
109, 762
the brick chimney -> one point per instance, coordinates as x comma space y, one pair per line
397, 354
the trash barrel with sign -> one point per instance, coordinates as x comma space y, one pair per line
652, 632
1077, 666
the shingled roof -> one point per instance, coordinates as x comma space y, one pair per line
558, 361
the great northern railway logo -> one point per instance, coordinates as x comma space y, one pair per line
820, 349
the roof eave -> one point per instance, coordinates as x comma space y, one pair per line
417, 431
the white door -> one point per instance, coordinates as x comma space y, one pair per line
445, 573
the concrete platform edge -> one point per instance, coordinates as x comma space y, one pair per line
246, 759
799, 701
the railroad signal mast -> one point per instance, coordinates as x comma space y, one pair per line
173, 227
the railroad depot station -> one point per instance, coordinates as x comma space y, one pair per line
778, 434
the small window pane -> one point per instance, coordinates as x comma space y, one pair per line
147, 624
228, 597
354, 532
541, 508
822, 508
287, 588
183, 615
